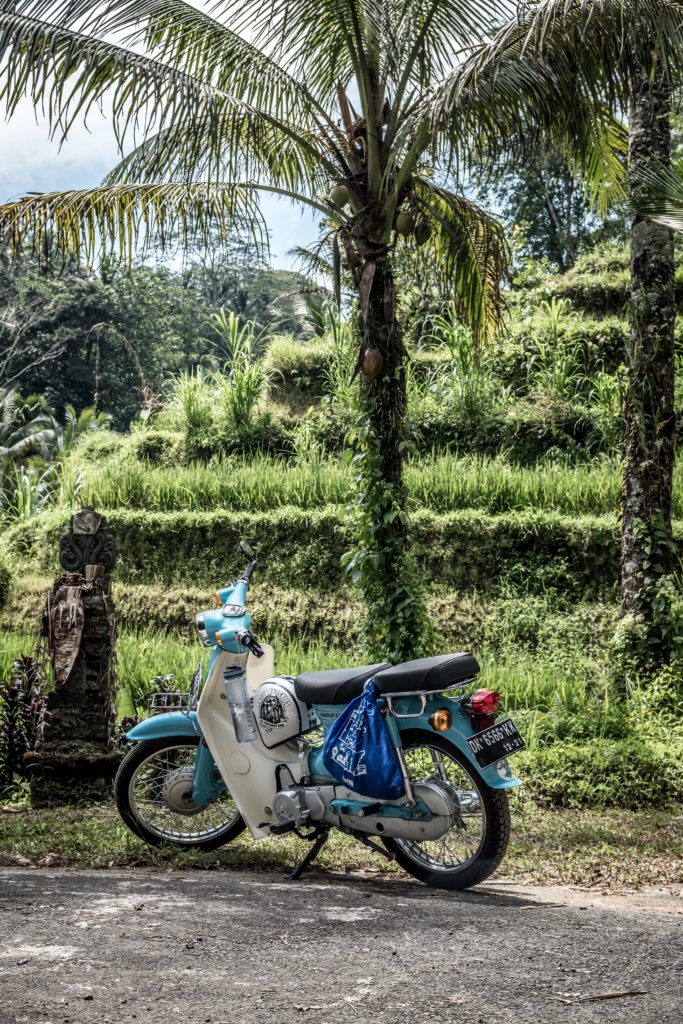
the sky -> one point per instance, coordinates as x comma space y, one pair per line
31, 162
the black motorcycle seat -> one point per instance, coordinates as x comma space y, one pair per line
335, 686
427, 675
340, 685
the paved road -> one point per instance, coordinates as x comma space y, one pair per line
222, 948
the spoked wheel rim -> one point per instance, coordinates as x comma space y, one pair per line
462, 843
160, 798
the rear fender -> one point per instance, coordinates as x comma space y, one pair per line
158, 727
497, 776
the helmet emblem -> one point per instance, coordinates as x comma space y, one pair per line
271, 710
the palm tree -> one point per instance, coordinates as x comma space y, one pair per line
629, 52
26, 429
364, 110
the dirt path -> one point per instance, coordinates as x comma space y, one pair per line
222, 948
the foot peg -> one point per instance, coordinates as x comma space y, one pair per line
279, 830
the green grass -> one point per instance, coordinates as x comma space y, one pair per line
257, 485
13, 646
611, 849
443, 484
553, 696
142, 655
449, 483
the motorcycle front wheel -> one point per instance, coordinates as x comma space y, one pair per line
153, 790
476, 842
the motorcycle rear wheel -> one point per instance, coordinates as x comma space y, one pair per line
475, 844
155, 775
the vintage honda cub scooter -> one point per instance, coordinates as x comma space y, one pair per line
246, 751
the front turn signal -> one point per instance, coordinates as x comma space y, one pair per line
441, 720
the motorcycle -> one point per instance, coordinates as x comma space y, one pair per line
246, 752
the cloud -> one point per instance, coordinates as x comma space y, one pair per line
32, 162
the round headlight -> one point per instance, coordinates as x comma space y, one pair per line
234, 611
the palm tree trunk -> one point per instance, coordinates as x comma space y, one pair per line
385, 396
397, 625
646, 549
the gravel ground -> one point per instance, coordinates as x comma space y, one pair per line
221, 948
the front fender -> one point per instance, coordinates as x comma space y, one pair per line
459, 731
173, 723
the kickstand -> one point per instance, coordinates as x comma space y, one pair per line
315, 849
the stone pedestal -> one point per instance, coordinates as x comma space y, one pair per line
76, 759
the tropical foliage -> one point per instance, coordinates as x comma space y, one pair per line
224, 120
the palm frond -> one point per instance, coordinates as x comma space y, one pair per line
470, 247
606, 42
237, 144
67, 73
561, 70
599, 159
202, 131
186, 39
429, 35
323, 41
659, 196
125, 217
314, 261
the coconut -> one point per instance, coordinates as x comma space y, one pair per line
423, 232
339, 195
405, 223
372, 363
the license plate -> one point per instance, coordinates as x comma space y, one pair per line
495, 743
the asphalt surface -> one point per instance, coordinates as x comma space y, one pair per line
220, 948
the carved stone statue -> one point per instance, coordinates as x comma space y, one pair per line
76, 759
88, 542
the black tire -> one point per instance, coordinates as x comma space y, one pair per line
495, 814
128, 776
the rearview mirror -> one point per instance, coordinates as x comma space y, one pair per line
247, 550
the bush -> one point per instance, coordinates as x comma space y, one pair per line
540, 625
603, 293
601, 344
599, 282
160, 447
525, 431
267, 435
97, 446
629, 773
464, 550
296, 368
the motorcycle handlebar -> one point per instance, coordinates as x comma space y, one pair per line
249, 641
249, 571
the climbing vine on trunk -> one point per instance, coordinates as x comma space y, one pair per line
647, 548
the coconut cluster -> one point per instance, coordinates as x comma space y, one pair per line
406, 225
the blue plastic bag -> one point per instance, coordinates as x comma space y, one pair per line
358, 750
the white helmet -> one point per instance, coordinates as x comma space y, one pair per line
279, 713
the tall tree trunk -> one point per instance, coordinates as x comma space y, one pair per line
397, 625
646, 550
386, 395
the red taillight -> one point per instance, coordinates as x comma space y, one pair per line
484, 702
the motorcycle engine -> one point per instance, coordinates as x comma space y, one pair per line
303, 805
289, 805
